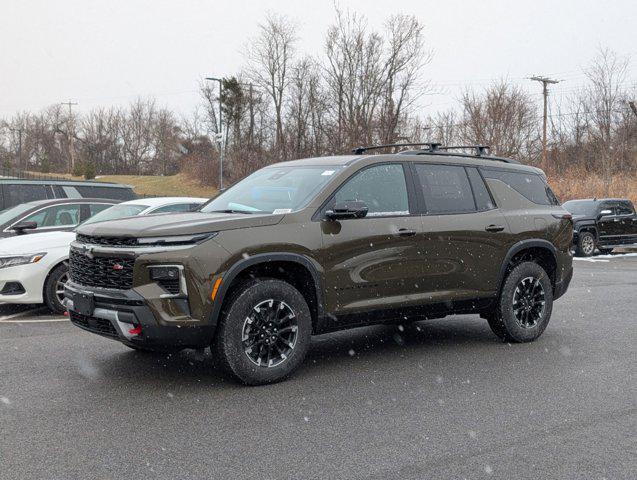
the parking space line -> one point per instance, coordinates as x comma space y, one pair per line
42, 320
21, 314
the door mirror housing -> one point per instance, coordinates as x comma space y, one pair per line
605, 213
20, 227
349, 209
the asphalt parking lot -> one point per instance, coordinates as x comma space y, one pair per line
437, 399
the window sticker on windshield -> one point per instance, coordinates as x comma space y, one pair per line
327, 172
279, 211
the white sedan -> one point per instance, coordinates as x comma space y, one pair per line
34, 269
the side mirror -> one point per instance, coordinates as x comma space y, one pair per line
20, 227
349, 209
605, 213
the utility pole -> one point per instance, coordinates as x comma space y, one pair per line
70, 134
220, 132
545, 93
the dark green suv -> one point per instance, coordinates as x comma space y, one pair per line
311, 246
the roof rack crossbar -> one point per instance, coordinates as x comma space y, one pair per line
432, 146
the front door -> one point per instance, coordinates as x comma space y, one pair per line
372, 263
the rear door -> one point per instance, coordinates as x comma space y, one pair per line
463, 233
628, 220
609, 226
373, 263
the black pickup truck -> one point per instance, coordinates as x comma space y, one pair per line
602, 223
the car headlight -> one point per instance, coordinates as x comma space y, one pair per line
13, 260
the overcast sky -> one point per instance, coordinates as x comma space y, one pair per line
107, 52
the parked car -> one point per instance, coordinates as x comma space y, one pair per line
15, 192
602, 223
34, 268
321, 244
49, 215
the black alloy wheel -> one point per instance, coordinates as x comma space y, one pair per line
270, 333
528, 302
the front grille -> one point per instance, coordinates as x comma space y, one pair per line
93, 324
105, 272
108, 241
171, 286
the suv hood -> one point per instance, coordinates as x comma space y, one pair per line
177, 224
35, 242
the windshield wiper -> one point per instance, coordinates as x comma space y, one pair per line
229, 210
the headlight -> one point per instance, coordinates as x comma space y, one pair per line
14, 260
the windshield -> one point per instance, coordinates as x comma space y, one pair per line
273, 190
581, 207
115, 212
10, 214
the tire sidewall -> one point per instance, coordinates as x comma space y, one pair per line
50, 297
229, 338
507, 317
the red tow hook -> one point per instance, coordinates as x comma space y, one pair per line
136, 331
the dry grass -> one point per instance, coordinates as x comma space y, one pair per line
169, 186
575, 184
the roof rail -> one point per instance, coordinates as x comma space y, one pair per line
480, 150
432, 146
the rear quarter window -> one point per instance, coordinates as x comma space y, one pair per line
529, 185
113, 193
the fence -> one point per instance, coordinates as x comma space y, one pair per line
20, 174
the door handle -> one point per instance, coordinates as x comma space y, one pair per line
405, 232
494, 228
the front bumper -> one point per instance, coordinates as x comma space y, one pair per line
31, 277
124, 315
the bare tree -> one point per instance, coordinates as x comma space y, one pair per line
502, 116
270, 56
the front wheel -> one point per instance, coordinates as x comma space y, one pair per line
54, 288
585, 244
525, 304
264, 332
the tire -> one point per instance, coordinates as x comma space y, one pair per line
585, 244
513, 324
258, 312
54, 288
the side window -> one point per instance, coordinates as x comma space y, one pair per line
446, 189
624, 209
114, 193
480, 192
382, 187
94, 208
528, 185
17, 194
178, 207
56, 216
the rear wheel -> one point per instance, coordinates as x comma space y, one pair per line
264, 332
54, 288
525, 304
585, 244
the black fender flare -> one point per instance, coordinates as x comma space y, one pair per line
262, 258
588, 227
518, 247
